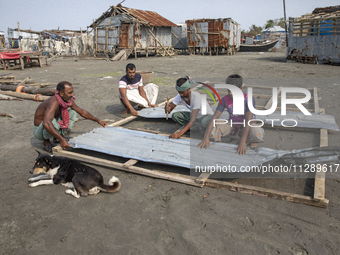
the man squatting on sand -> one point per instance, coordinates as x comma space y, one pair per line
57, 114
244, 134
132, 92
194, 119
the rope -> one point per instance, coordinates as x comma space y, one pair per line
20, 89
36, 97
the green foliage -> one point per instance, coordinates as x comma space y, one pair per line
276, 22
255, 30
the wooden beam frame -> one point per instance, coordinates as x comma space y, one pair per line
318, 199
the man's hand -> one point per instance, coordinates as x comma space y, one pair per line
102, 123
153, 105
204, 144
242, 149
64, 144
175, 135
134, 112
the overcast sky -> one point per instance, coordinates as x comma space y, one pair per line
38, 15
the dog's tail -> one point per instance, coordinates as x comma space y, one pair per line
114, 185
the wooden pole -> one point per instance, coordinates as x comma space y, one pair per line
159, 43
284, 13
29, 89
25, 96
179, 40
167, 102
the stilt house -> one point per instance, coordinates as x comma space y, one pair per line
122, 29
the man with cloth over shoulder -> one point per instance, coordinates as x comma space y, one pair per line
57, 114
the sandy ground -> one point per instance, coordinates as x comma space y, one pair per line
152, 216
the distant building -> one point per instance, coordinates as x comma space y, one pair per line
315, 37
137, 30
213, 35
273, 33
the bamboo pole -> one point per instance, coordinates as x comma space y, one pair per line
179, 40
159, 43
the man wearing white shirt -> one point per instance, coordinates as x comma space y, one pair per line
132, 92
193, 101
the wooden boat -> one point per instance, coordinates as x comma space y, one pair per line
257, 47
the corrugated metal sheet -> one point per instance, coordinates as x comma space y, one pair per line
181, 33
11, 33
150, 17
155, 148
314, 49
311, 121
216, 32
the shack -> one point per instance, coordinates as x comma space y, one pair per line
213, 35
52, 42
315, 37
124, 30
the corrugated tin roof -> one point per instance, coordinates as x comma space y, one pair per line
183, 152
156, 148
145, 17
153, 18
210, 20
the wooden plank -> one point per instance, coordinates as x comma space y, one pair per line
24, 81
123, 121
202, 178
130, 163
316, 101
270, 102
320, 181
323, 137
200, 32
263, 192
58, 151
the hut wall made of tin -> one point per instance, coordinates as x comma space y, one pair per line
311, 41
315, 37
181, 33
144, 39
120, 31
213, 33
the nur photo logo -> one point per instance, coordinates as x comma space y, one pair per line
238, 102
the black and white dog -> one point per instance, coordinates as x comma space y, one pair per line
81, 180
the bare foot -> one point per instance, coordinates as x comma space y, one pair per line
126, 112
46, 142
